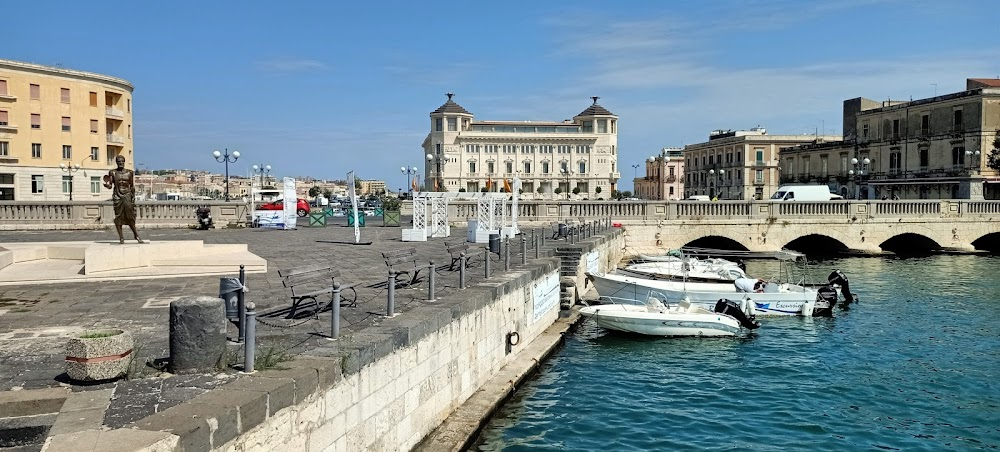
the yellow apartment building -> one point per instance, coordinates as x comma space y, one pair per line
60, 132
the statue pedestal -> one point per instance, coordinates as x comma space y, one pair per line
55, 262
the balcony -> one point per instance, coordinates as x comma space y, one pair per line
472, 174
5, 127
760, 163
7, 97
615, 175
671, 179
114, 113
116, 139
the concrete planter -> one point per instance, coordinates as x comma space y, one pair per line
105, 357
390, 218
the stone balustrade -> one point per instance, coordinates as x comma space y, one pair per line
17, 215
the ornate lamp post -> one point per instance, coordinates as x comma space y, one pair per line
409, 172
857, 173
263, 171
973, 162
70, 169
438, 166
224, 157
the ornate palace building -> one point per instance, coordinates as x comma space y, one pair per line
578, 156
60, 132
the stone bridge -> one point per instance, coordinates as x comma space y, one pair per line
865, 226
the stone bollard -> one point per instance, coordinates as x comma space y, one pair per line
197, 334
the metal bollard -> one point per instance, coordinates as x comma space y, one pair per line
430, 283
249, 346
541, 240
524, 250
335, 312
241, 308
537, 248
461, 270
533, 237
506, 255
571, 234
390, 307
486, 265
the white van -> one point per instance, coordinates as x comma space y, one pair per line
804, 193
698, 198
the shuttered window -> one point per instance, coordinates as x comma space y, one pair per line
65, 123
36, 121
35, 92
3, 87
64, 95
3, 118
93, 99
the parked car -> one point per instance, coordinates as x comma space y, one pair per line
302, 209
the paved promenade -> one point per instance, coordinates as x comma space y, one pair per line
36, 320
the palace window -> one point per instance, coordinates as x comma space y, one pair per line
37, 183
527, 167
545, 167
452, 124
472, 167
924, 158
583, 167
95, 184
67, 152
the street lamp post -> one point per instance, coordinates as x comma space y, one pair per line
858, 173
409, 172
973, 162
263, 171
438, 165
566, 172
224, 157
69, 169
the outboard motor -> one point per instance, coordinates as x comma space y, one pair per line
204, 215
826, 299
838, 278
742, 265
732, 309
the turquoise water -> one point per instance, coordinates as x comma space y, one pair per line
914, 366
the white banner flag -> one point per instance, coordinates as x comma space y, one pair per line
354, 205
290, 206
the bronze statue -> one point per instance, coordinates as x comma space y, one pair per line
123, 195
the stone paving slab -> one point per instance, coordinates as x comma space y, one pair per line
36, 320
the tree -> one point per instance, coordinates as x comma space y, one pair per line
357, 182
615, 194
576, 190
626, 194
597, 190
313, 191
993, 160
328, 194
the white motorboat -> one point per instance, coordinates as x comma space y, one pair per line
777, 298
654, 318
692, 269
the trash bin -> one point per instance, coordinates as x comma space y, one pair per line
495, 243
563, 230
229, 289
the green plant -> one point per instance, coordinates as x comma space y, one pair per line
540, 189
558, 190
461, 190
993, 159
576, 190
597, 190
313, 191
327, 194
272, 359
483, 190
228, 360
390, 203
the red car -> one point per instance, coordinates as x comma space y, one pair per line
302, 209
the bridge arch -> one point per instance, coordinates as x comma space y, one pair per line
812, 244
989, 242
717, 242
910, 243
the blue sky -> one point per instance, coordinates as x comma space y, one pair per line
320, 88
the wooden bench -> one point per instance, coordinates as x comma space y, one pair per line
455, 249
404, 261
306, 283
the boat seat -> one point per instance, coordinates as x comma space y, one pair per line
686, 306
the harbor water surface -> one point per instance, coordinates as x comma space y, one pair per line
914, 366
